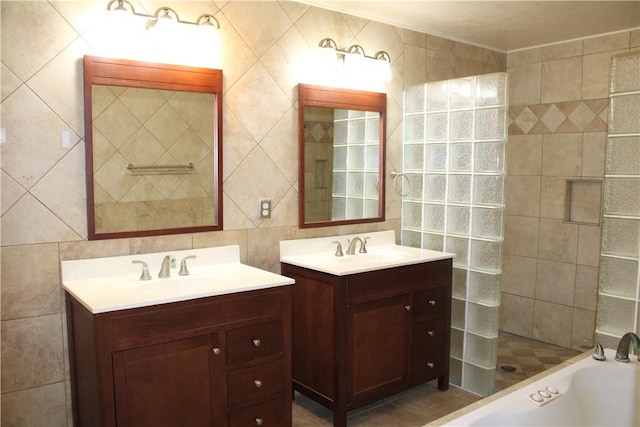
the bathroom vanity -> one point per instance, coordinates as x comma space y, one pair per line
367, 326
211, 348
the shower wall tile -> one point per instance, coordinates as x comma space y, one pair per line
521, 236
31, 407
561, 80
562, 154
635, 39
607, 43
584, 325
555, 282
593, 154
524, 84
588, 245
562, 50
553, 323
523, 195
594, 67
558, 241
552, 197
516, 315
524, 155
519, 276
586, 289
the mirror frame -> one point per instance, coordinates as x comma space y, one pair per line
139, 74
348, 99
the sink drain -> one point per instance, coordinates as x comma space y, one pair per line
508, 368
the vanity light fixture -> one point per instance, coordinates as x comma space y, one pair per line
164, 15
355, 61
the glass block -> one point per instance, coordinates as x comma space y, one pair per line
371, 182
457, 313
615, 316
413, 128
461, 125
356, 114
483, 320
437, 126
437, 97
436, 157
372, 130
457, 343
489, 156
618, 277
410, 185
433, 218
486, 256
459, 283
478, 380
355, 208
622, 196
356, 131
414, 99
460, 247
459, 189
460, 157
484, 288
620, 237
339, 208
411, 215
432, 241
455, 372
624, 73
461, 93
355, 184
623, 156
458, 219
355, 157
480, 351
372, 157
410, 238
413, 157
340, 132
370, 208
339, 183
490, 123
491, 89
340, 114
487, 222
624, 111
488, 190
435, 187
340, 157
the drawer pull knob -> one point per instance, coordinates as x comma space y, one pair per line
432, 302
430, 364
407, 307
216, 351
259, 421
258, 383
431, 333
257, 343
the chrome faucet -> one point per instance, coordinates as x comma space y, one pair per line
351, 250
622, 355
165, 270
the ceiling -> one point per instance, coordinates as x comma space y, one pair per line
505, 26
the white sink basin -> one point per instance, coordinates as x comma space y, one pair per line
108, 284
382, 252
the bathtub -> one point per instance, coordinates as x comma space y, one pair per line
581, 392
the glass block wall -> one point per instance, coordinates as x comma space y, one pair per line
619, 288
455, 133
356, 161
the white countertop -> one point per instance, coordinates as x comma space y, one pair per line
113, 283
319, 254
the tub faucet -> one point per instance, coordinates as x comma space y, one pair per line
351, 250
165, 270
622, 355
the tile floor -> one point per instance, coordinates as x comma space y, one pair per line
421, 405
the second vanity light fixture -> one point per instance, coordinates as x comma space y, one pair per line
163, 17
354, 61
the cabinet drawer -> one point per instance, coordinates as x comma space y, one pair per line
430, 303
429, 365
253, 342
429, 335
255, 384
267, 414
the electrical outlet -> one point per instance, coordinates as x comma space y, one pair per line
265, 208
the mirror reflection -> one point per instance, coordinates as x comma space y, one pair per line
153, 150
341, 156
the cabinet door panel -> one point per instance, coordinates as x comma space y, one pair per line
165, 384
378, 344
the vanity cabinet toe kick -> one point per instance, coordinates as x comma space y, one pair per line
362, 337
223, 361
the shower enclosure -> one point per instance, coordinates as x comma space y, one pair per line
455, 134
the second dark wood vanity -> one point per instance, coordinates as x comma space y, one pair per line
362, 337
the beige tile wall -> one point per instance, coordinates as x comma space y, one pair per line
43, 193
558, 107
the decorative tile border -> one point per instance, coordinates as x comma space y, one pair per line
560, 117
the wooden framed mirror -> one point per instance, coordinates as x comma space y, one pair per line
153, 147
341, 149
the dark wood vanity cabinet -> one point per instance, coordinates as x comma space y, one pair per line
361, 337
215, 361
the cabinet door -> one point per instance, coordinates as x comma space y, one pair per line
166, 384
378, 346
